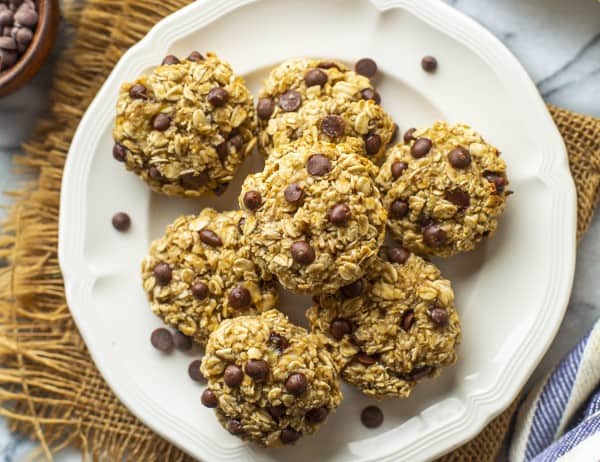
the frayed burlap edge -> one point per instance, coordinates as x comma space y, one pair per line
49, 387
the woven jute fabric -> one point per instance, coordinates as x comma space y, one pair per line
49, 386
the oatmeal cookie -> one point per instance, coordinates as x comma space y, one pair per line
391, 328
186, 127
444, 189
269, 381
199, 273
315, 217
321, 100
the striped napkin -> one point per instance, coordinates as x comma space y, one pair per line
560, 419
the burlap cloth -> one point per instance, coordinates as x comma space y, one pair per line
49, 386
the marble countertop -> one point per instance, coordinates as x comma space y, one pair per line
558, 42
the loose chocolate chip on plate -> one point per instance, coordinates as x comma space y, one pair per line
162, 274
277, 412
409, 135
372, 144
265, 108
119, 152
233, 376
333, 125
161, 122
398, 168
340, 214
370, 93
252, 200
162, 340
170, 60
315, 77
458, 197
195, 56
371, 417
257, 369
290, 101
278, 341
434, 236
217, 96
398, 255
296, 384
353, 290
429, 64
192, 180
138, 91
439, 316
365, 359
408, 319
235, 427
317, 415
421, 148
318, 165
289, 436
459, 158
339, 328
303, 253
121, 221
240, 297
199, 290
209, 398
209, 237
182, 342
399, 209
366, 67
194, 371
293, 193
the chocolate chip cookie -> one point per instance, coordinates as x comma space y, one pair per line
269, 381
314, 217
199, 273
392, 328
444, 189
186, 127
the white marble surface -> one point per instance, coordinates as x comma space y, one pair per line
558, 42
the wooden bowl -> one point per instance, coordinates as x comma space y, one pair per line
37, 52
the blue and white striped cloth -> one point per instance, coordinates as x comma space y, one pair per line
560, 419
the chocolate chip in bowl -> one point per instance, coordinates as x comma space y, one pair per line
28, 31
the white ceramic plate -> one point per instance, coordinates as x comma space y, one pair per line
511, 292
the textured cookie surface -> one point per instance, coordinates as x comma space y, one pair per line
200, 273
391, 328
314, 217
269, 381
444, 190
186, 127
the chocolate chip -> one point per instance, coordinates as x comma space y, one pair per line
420, 373
303, 253
409, 135
241, 224
289, 436
252, 200
317, 415
290, 101
333, 125
339, 328
257, 369
8, 43
439, 316
235, 427
498, 179
372, 144
399, 209
233, 376
194, 180
421, 148
237, 141
429, 64
398, 255
340, 214
365, 359
278, 341
169, 60
138, 91
327, 65
371, 417
162, 274
209, 398
194, 371
424, 220
296, 384
217, 96
6, 18
315, 77
394, 137
209, 237
119, 152
240, 297
265, 108
7, 58
318, 165
162, 340
277, 412
353, 290
370, 93
408, 319
161, 122
459, 158
27, 17
199, 290
24, 36
293, 193
366, 67
398, 168
458, 197
195, 56
121, 221
434, 236
182, 342
155, 174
